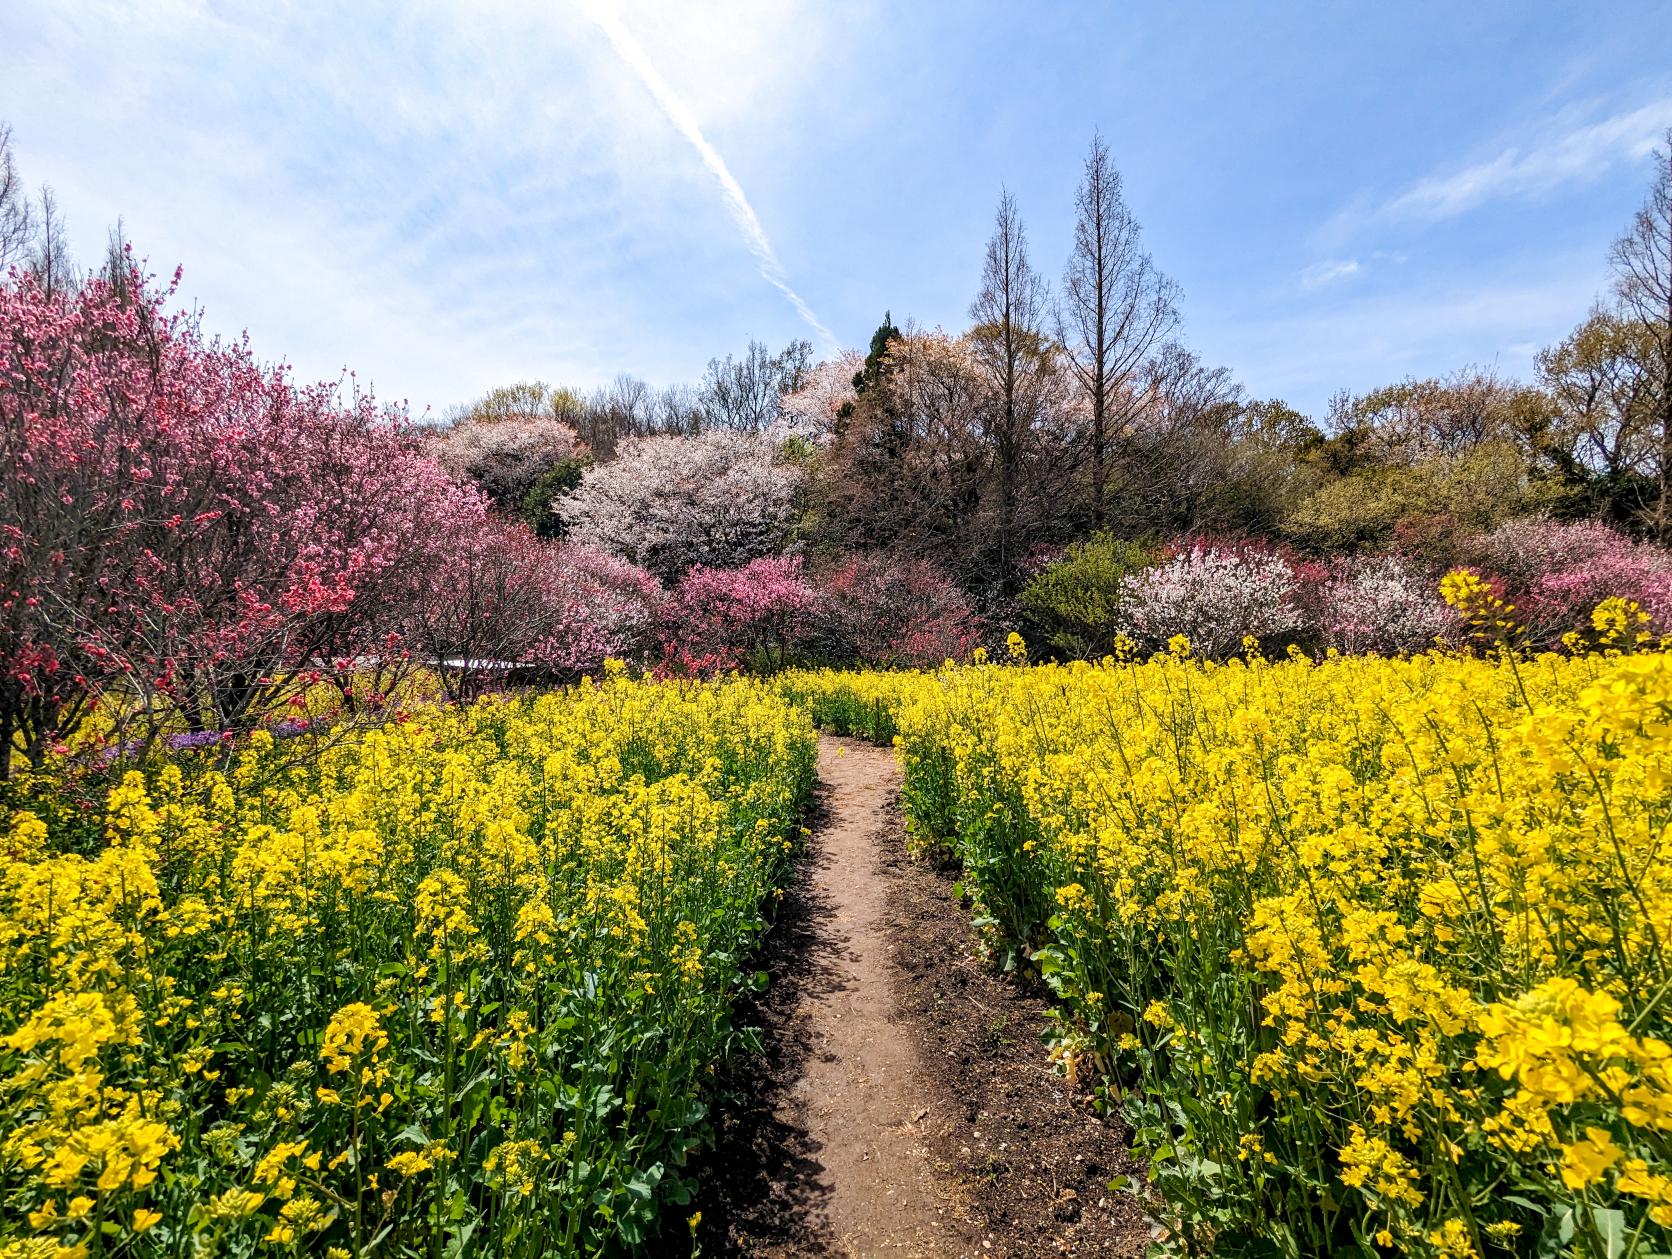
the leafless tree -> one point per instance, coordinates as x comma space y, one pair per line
49, 254
625, 408
677, 410
1116, 308
17, 219
1013, 350
1643, 267
744, 394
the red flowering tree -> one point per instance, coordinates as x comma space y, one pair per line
892, 612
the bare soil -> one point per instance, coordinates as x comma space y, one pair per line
902, 1103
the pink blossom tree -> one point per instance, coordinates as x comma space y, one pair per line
1555, 573
718, 619
184, 525
607, 608
505, 606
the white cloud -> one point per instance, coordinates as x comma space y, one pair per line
445, 196
1320, 274
1579, 153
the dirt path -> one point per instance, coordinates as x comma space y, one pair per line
901, 1103
861, 1095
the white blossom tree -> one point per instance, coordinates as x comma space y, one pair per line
667, 503
505, 455
811, 411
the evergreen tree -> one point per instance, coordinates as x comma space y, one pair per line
872, 371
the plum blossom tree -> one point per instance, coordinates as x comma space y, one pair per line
718, 618
607, 608
184, 523
892, 612
506, 606
669, 503
1214, 595
1556, 573
1382, 604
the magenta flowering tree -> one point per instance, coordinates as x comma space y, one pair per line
332, 527
1522, 552
490, 606
607, 608
185, 524
717, 619
1563, 600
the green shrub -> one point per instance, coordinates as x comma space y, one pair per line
1073, 607
539, 505
1425, 507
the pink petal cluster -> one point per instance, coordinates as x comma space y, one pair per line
717, 619
1556, 573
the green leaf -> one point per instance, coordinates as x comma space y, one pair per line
1611, 1225
643, 1184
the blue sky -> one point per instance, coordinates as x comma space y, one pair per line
447, 197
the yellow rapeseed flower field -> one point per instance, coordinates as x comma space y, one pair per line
1370, 952
370, 1001
1373, 952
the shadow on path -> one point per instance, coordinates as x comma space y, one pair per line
761, 1189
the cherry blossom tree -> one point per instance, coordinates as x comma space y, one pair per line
669, 503
812, 410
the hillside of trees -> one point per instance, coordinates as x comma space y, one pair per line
1064, 465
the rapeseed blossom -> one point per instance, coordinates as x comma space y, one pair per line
1374, 953
457, 982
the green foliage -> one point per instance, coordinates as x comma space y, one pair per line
1073, 607
872, 372
1425, 506
1606, 379
539, 505
525, 398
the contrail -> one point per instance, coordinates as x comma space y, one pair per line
629, 50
